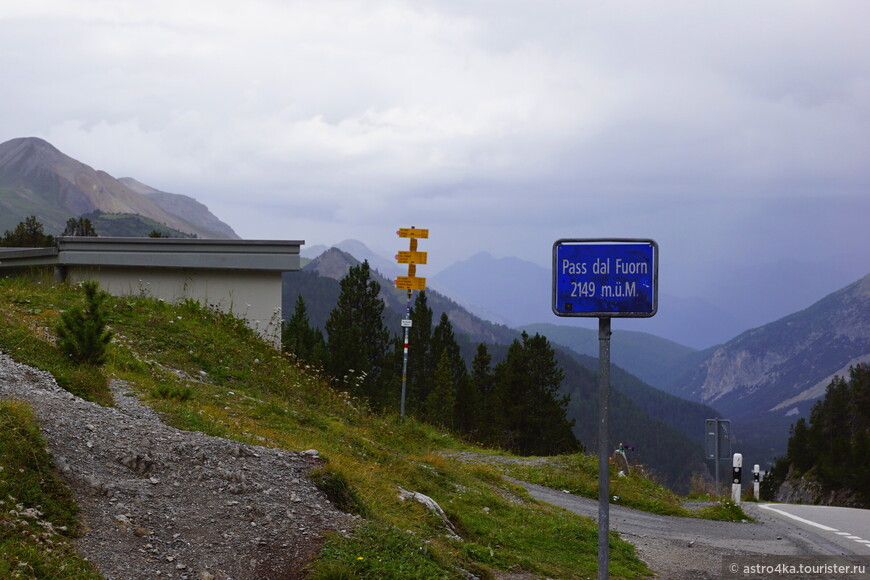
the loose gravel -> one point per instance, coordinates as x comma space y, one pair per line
158, 502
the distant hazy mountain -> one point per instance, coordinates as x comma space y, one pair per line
780, 369
519, 293
184, 207
656, 361
37, 179
335, 263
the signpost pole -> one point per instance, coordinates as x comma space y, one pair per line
605, 278
405, 356
603, 447
717, 457
410, 283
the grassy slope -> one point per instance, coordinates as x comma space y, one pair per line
205, 371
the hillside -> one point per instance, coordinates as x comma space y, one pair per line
128, 225
184, 207
669, 428
262, 412
782, 368
37, 179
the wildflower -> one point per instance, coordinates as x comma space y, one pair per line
360, 559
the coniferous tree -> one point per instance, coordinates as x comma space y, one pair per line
441, 403
300, 339
834, 445
81, 227
482, 384
799, 453
420, 362
358, 342
27, 234
533, 415
444, 345
82, 331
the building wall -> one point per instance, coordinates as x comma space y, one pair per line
254, 296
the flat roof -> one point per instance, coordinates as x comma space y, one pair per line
192, 253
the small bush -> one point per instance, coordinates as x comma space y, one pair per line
82, 331
724, 511
180, 393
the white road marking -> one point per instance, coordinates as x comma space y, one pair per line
794, 517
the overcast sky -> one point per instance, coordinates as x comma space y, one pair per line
734, 133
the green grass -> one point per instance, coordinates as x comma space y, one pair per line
724, 510
579, 474
206, 371
37, 513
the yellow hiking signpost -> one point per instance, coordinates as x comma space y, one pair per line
410, 283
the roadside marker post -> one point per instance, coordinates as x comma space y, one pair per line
756, 481
410, 283
736, 477
605, 279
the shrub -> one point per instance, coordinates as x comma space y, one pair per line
82, 331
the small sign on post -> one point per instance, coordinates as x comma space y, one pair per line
605, 279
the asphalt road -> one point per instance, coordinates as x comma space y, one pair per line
688, 548
848, 529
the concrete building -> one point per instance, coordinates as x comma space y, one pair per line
241, 277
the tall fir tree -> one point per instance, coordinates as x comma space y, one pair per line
421, 366
533, 415
444, 345
482, 384
300, 339
358, 341
441, 402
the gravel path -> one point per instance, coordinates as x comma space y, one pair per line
157, 502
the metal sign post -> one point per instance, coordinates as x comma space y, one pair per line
605, 278
718, 444
410, 283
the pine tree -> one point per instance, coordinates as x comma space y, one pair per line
299, 339
482, 384
441, 403
81, 227
420, 362
82, 331
533, 414
799, 453
444, 345
27, 234
358, 342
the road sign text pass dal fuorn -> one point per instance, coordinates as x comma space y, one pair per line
605, 278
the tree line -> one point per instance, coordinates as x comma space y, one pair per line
833, 446
514, 405
31, 233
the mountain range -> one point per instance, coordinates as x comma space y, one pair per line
763, 378
695, 359
37, 179
662, 422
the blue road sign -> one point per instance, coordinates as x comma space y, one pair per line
605, 278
